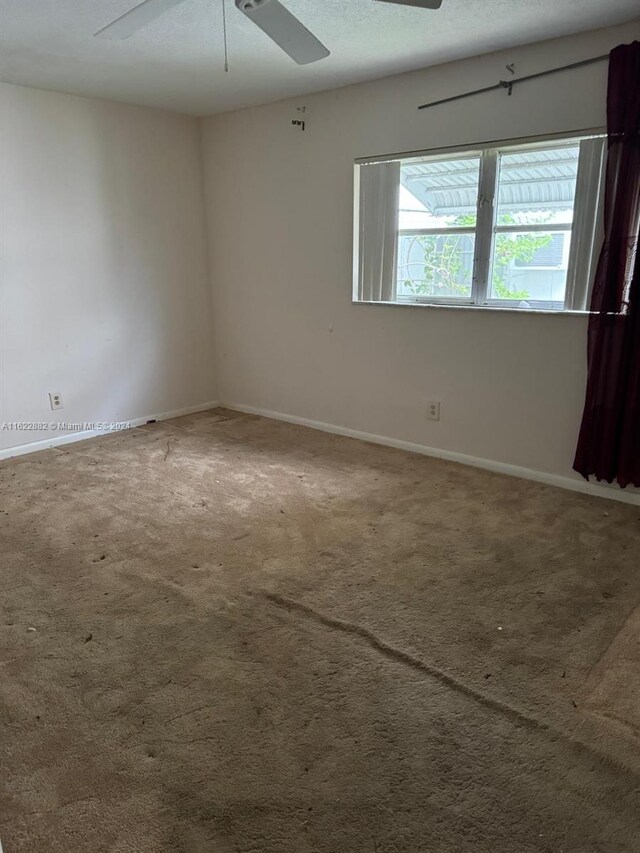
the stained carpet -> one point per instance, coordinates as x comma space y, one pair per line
222, 633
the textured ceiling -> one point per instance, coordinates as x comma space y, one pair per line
177, 62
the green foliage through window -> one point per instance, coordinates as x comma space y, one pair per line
447, 261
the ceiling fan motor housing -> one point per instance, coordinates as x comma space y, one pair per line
248, 5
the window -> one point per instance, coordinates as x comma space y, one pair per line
513, 226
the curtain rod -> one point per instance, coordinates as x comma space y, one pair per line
509, 84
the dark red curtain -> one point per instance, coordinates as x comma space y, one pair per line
609, 442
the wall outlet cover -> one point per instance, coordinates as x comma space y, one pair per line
433, 410
55, 400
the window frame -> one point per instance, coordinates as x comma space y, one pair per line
485, 229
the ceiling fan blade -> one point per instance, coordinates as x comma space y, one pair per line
133, 20
285, 30
421, 4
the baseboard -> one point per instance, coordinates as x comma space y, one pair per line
72, 437
574, 485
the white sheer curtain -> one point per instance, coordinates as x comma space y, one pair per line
378, 234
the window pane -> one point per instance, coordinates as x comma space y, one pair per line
435, 265
439, 194
537, 187
531, 266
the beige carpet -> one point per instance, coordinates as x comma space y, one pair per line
225, 634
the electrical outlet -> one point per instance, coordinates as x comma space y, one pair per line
433, 411
55, 400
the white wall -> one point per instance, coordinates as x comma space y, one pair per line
288, 338
104, 292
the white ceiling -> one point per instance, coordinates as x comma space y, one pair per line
177, 62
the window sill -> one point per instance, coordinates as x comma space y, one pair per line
491, 308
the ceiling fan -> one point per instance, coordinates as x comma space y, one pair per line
271, 16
